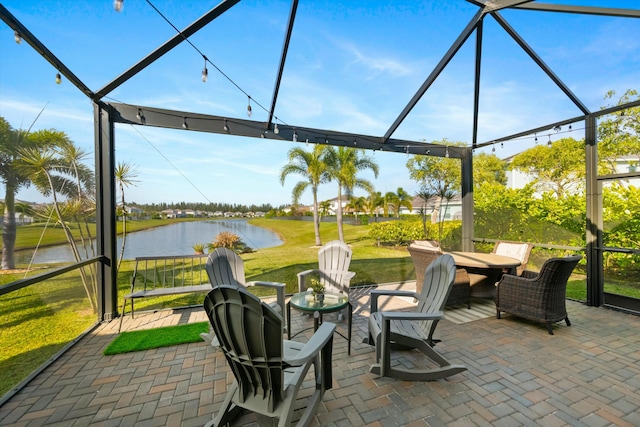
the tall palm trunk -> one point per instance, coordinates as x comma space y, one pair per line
9, 229
316, 218
339, 215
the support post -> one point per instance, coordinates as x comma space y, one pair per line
594, 244
105, 212
466, 165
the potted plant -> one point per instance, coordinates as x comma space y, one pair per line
317, 289
198, 248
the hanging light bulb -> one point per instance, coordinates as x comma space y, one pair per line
58, 78
502, 145
275, 128
295, 136
140, 116
306, 141
569, 127
446, 152
493, 148
117, 5
549, 142
184, 124
249, 113
355, 142
205, 73
536, 138
226, 128
426, 152
262, 135
17, 37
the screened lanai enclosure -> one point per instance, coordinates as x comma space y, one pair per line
127, 77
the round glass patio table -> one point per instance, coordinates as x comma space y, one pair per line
330, 303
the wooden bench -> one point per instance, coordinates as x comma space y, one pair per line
157, 276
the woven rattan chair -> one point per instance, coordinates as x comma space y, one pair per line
423, 253
269, 371
540, 297
406, 330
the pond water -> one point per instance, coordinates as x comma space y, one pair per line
173, 239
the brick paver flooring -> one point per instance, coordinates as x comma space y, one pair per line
584, 375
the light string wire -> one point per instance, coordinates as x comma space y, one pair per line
207, 60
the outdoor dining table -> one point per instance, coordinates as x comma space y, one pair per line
484, 270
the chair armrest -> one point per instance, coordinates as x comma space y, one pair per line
528, 274
302, 277
375, 293
279, 287
409, 315
319, 339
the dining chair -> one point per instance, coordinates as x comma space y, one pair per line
538, 296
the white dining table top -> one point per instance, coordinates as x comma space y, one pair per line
482, 260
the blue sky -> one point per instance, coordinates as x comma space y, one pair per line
352, 67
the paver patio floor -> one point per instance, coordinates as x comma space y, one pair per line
584, 375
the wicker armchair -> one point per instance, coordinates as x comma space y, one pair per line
423, 253
537, 296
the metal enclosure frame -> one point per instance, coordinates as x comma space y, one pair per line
107, 114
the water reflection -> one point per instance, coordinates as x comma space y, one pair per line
173, 239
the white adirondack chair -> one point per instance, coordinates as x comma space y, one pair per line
333, 268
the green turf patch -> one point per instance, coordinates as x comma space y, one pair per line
155, 338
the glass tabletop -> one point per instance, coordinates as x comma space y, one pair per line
308, 302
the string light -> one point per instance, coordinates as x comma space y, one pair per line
446, 151
226, 128
117, 5
140, 116
295, 136
502, 145
17, 37
275, 128
58, 78
249, 113
536, 138
184, 124
493, 148
306, 141
355, 142
205, 72
549, 142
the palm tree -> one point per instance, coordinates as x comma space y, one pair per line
344, 163
390, 203
357, 204
13, 178
324, 208
312, 167
425, 195
124, 174
403, 199
373, 202
53, 175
